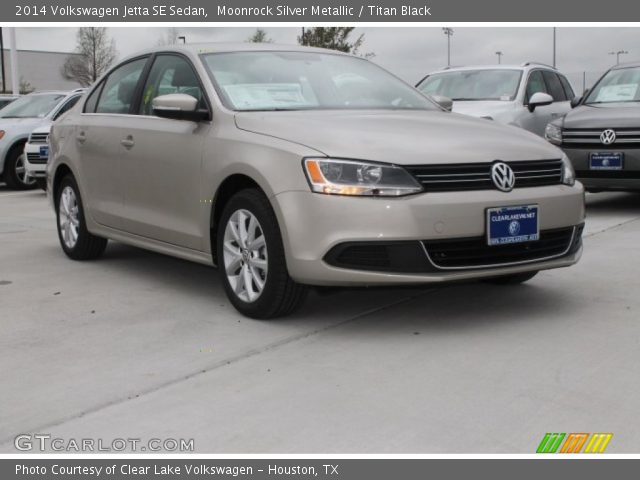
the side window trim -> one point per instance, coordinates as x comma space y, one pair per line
549, 89
147, 71
64, 104
106, 78
526, 86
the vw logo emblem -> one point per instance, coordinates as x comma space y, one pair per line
608, 137
502, 176
514, 228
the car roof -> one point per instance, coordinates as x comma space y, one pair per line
626, 65
521, 67
58, 92
223, 47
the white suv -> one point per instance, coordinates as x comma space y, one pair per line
36, 155
527, 96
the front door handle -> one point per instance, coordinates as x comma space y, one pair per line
81, 137
555, 115
127, 142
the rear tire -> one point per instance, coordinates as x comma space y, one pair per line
251, 259
15, 174
513, 279
75, 239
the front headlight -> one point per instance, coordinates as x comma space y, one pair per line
568, 173
350, 177
553, 133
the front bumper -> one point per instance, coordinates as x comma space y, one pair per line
626, 179
35, 166
313, 225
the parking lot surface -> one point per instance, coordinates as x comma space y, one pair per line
145, 346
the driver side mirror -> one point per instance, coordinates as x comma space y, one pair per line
178, 106
539, 99
577, 100
444, 102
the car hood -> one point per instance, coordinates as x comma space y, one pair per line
611, 115
401, 137
13, 125
481, 108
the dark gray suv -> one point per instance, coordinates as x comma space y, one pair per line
601, 135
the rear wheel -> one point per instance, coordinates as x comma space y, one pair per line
251, 259
75, 239
513, 279
15, 173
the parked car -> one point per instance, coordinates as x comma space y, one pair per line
601, 135
17, 121
36, 155
7, 99
528, 96
252, 158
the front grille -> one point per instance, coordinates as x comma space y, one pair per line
35, 158
477, 176
38, 138
466, 253
589, 138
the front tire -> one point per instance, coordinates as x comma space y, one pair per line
75, 239
15, 173
513, 279
251, 259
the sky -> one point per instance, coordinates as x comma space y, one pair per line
409, 52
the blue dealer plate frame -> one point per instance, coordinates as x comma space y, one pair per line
517, 224
606, 161
44, 152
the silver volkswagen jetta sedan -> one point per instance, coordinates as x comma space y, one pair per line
288, 167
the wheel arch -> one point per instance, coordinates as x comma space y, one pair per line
227, 189
62, 171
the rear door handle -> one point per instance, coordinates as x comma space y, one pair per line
81, 137
555, 115
127, 142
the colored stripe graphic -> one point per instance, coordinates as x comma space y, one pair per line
550, 443
598, 442
574, 443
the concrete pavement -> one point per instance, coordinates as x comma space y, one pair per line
140, 345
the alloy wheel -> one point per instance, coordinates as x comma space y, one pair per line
21, 172
245, 255
68, 217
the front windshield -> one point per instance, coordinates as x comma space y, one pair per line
498, 84
31, 106
617, 86
272, 80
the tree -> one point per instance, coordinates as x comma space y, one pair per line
260, 36
334, 38
25, 87
94, 54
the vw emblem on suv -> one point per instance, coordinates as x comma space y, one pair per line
502, 176
608, 137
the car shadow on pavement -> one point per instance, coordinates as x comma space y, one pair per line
453, 306
614, 202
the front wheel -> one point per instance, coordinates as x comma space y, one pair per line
75, 239
251, 259
15, 172
512, 279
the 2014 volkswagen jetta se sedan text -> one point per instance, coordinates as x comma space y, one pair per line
289, 167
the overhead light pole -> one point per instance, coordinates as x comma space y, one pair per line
183, 38
499, 54
554, 47
617, 54
449, 33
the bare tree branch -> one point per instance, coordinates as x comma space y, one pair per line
95, 53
